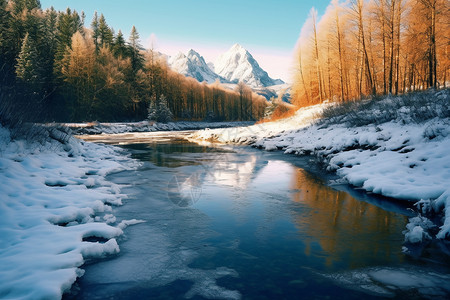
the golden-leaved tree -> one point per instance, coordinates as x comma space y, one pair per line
79, 71
372, 47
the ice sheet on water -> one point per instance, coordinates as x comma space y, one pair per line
157, 260
161, 250
391, 282
205, 284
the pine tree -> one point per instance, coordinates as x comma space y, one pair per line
32, 4
134, 39
137, 59
4, 19
27, 65
50, 28
153, 110
21, 18
47, 44
95, 30
105, 34
83, 18
20, 5
164, 113
159, 110
68, 24
119, 47
30, 80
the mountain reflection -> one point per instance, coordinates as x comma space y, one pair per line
342, 226
337, 230
230, 171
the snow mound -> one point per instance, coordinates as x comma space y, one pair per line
51, 192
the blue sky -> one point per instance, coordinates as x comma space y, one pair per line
268, 29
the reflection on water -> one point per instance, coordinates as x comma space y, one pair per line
169, 154
348, 230
228, 171
332, 225
246, 187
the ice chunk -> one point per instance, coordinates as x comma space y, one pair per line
125, 223
96, 250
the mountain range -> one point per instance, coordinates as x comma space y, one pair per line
193, 65
237, 64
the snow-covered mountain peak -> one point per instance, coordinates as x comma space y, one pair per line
192, 53
193, 65
178, 56
237, 64
237, 48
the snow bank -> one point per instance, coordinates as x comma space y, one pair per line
251, 134
146, 126
50, 194
407, 161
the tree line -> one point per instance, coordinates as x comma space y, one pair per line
53, 68
363, 48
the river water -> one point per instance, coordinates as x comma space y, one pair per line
235, 222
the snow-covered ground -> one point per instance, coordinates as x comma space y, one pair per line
399, 158
251, 134
55, 211
146, 126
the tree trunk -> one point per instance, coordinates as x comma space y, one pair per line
433, 43
330, 92
341, 65
303, 78
316, 46
383, 27
399, 16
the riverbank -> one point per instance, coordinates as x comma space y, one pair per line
147, 126
396, 147
55, 211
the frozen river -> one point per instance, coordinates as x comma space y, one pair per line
235, 222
